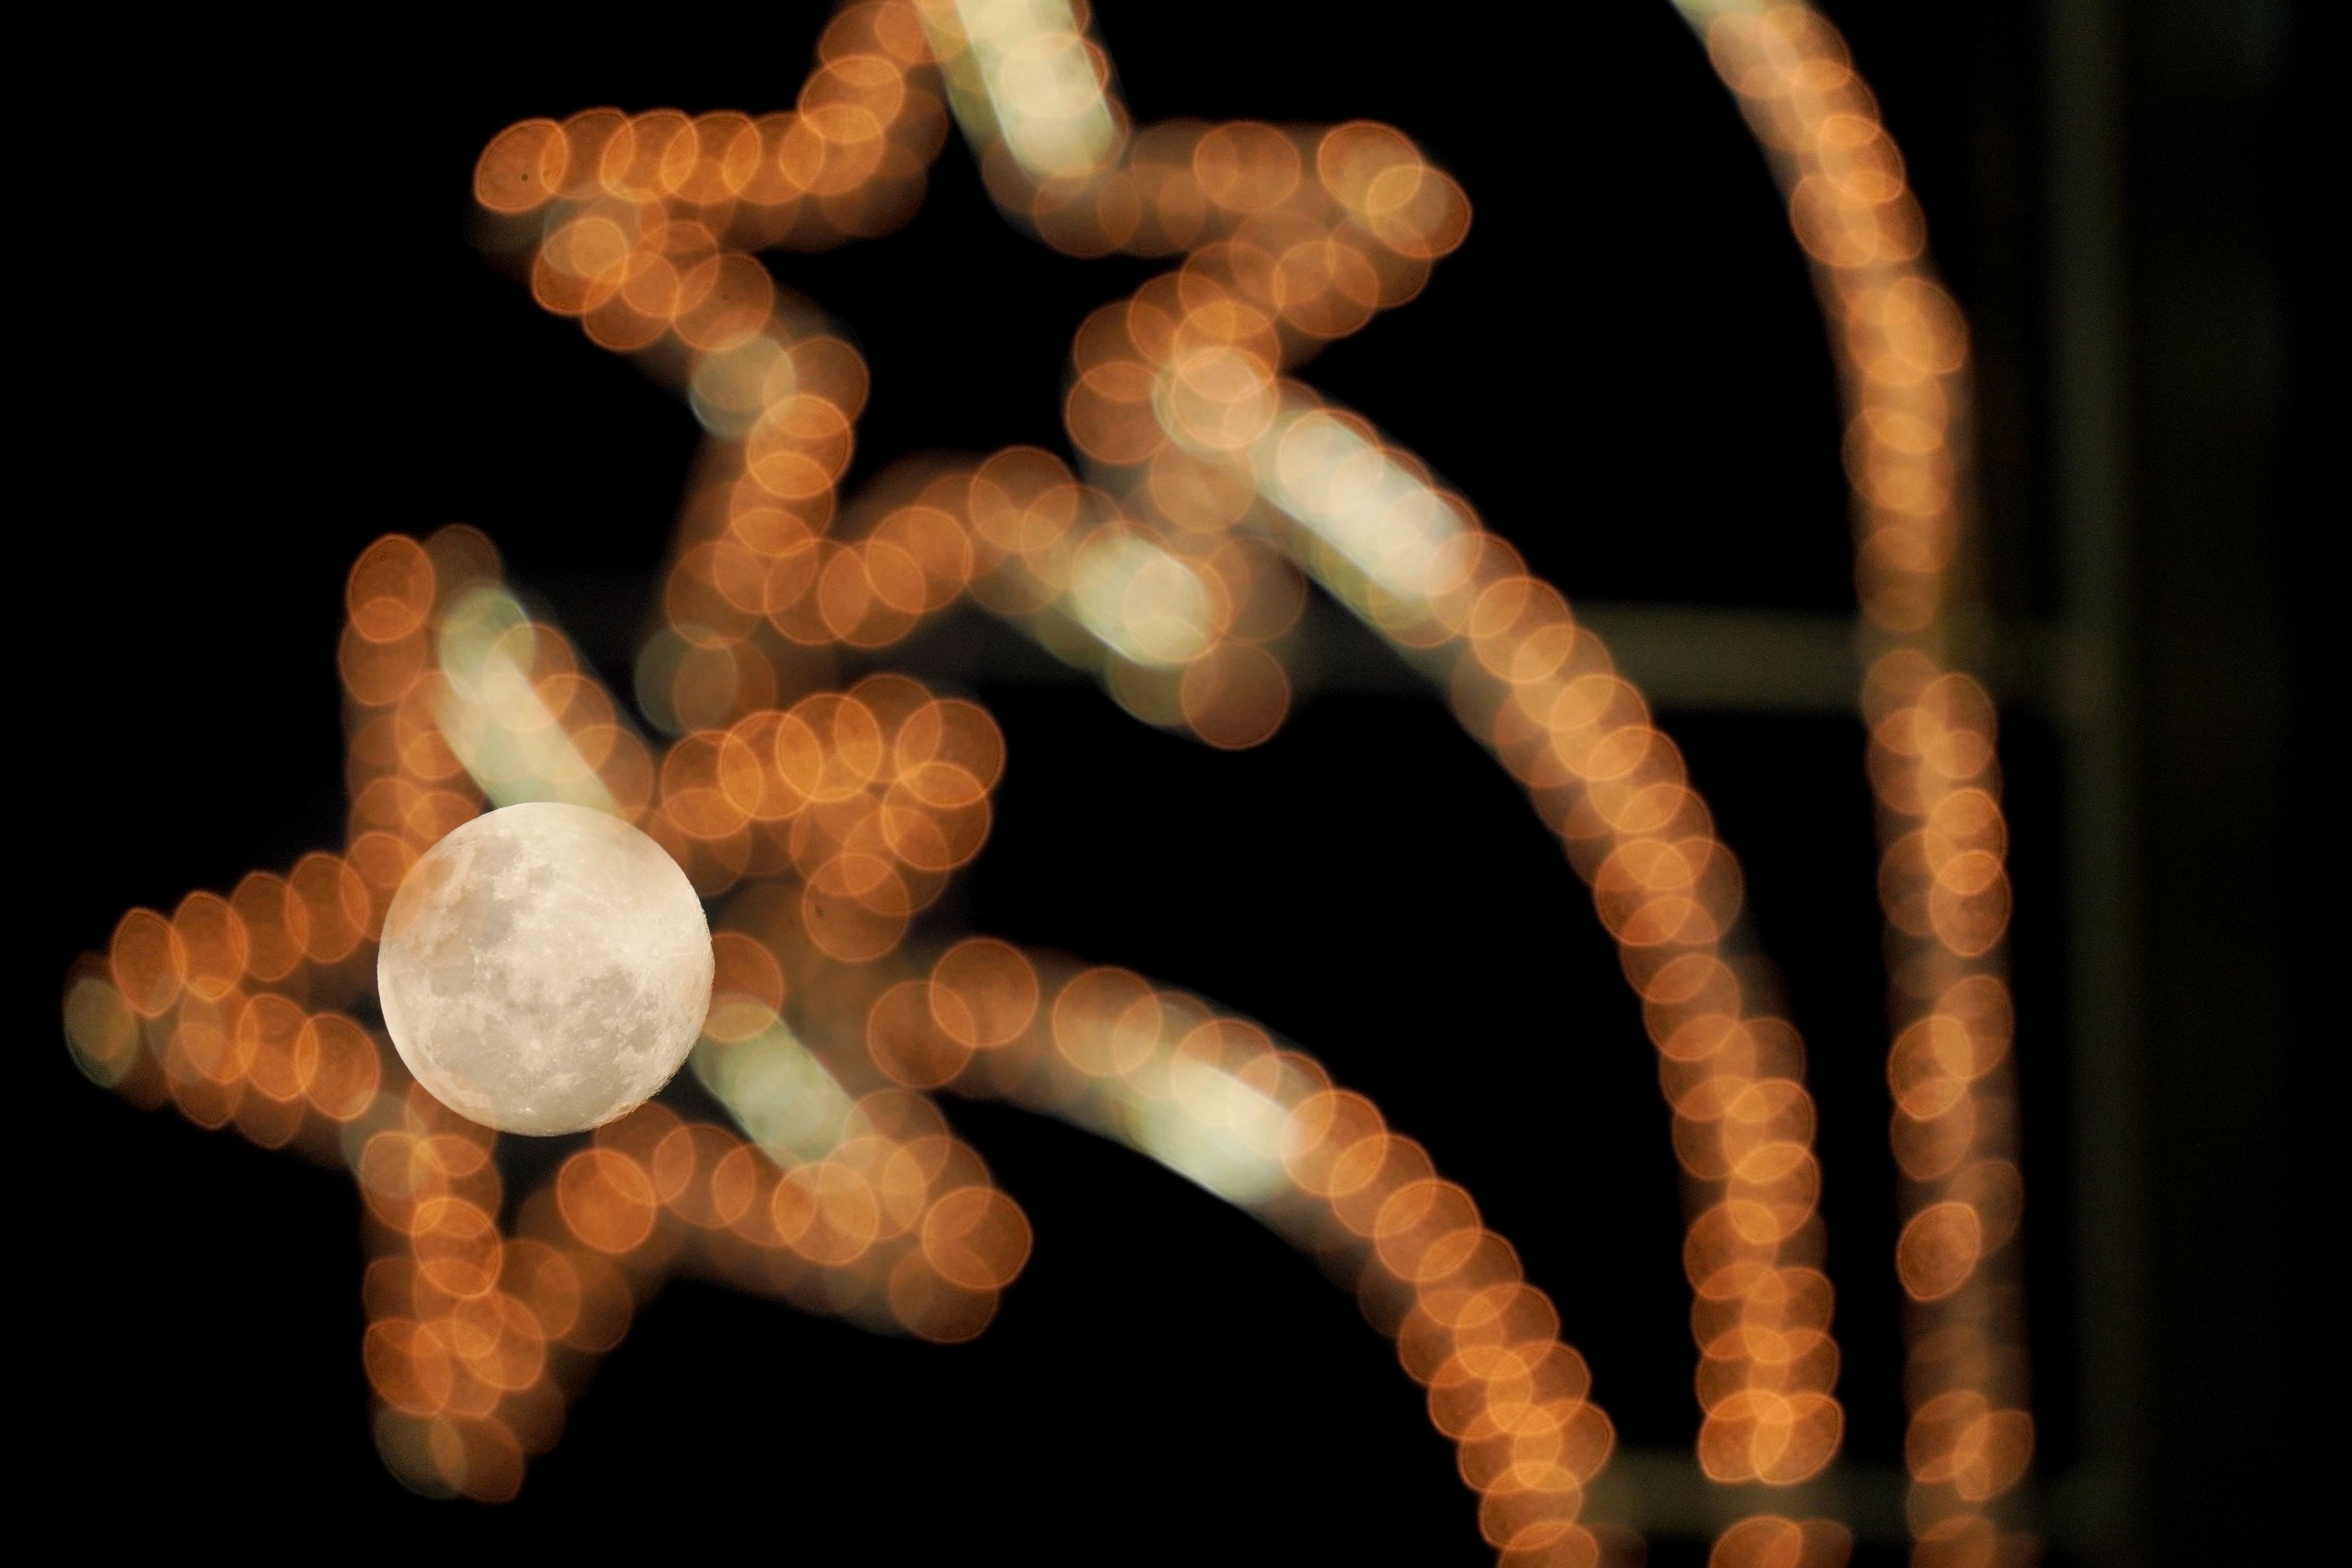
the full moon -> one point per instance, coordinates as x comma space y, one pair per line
545, 968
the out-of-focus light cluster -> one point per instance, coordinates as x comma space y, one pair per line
479, 1326
850, 1196
1173, 563
1767, 1541
1295, 236
1943, 881
644, 223
1214, 1098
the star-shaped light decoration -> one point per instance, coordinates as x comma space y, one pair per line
822, 820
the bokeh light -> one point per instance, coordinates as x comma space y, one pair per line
1902, 355
823, 817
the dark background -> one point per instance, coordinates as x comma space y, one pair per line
271, 340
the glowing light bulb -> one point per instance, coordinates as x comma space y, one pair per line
545, 968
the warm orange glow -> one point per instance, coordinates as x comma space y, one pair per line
1903, 352
1172, 560
1767, 1541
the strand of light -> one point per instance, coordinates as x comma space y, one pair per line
1902, 352
826, 811
830, 819
857, 1203
1297, 236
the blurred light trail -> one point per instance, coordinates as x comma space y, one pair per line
826, 818
1295, 236
1902, 352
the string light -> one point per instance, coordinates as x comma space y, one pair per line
1902, 350
1172, 562
1186, 424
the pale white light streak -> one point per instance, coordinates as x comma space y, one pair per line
778, 1092
492, 715
1026, 68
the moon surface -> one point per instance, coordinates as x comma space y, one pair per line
545, 968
